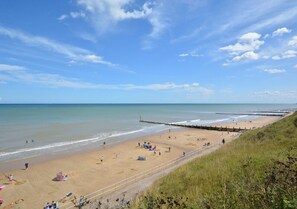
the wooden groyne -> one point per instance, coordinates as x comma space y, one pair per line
213, 128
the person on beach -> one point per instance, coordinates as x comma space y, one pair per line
223, 141
26, 165
169, 148
55, 205
159, 153
81, 202
101, 159
138, 144
47, 206
184, 154
10, 178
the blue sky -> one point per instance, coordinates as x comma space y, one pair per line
165, 51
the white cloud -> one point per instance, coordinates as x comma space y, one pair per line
63, 17
72, 52
4, 67
58, 81
295, 66
276, 57
105, 13
274, 71
249, 37
290, 54
246, 56
247, 42
267, 93
287, 54
194, 87
77, 14
281, 31
266, 36
245, 48
192, 54
95, 59
293, 41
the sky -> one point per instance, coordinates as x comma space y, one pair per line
158, 51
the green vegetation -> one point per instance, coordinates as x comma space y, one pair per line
257, 170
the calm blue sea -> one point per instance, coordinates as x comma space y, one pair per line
61, 128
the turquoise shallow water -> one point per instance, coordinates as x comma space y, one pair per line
66, 127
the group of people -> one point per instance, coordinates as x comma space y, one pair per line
147, 145
206, 144
81, 201
53, 205
61, 177
27, 141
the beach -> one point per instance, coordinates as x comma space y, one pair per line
93, 170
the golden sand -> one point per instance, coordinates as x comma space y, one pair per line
34, 187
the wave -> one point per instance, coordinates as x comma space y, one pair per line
102, 136
208, 122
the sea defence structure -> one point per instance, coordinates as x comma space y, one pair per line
213, 128
220, 128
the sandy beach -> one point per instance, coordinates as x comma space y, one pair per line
90, 171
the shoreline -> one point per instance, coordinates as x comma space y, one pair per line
87, 174
14, 164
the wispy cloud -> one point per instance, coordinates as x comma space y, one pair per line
293, 41
274, 71
171, 86
20, 74
287, 54
192, 54
4, 67
281, 31
71, 52
63, 17
77, 14
267, 93
245, 16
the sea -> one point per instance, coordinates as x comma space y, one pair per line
33, 130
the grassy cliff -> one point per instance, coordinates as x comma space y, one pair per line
257, 170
